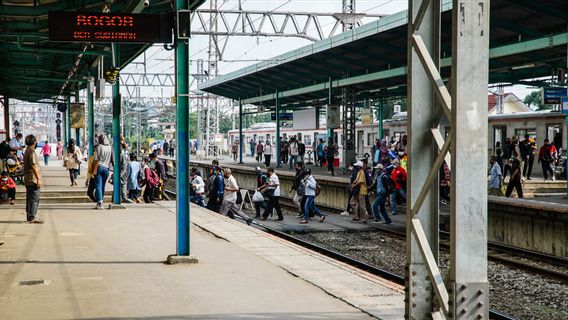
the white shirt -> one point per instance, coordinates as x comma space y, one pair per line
199, 184
231, 183
274, 183
268, 149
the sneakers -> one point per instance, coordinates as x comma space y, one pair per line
322, 218
345, 213
378, 222
553, 178
249, 221
303, 221
99, 206
35, 221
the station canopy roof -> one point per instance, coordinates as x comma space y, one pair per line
527, 40
33, 68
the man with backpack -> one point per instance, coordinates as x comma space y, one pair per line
299, 188
398, 175
312, 190
385, 187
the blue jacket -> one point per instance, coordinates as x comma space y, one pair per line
220, 185
380, 187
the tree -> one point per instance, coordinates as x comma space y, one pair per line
534, 100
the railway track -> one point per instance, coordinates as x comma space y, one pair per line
348, 260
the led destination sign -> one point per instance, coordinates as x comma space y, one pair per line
103, 27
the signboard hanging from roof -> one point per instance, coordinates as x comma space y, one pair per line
77, 115
110, 27
553, 95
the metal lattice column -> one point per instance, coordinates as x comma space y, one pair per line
467, 294
348, 127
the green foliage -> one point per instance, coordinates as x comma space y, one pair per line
534, 101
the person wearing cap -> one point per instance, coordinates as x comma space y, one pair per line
398, 175
8, 187
310, 195
261, 180
230, 198
359, 187
161, 169
379, 208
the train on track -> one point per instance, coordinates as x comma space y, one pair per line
538, 125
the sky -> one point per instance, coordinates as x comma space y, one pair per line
243, 51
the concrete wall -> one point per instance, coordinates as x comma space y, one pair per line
531, 225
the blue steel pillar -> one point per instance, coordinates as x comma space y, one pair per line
241, 142
277, 111
182, 137
90, 106
116, 130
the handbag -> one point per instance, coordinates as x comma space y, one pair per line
257, 197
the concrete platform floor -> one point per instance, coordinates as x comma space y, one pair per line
108, 264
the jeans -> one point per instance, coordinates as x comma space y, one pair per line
149, 192
46, 159
401, 193
527, 170
198, 199
546, 169
100, 183
380, 209
32, 201
310, 206
73, 175
293, 159
133, 194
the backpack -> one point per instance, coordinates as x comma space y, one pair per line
547, 156
318, 189
301, 189
388, 183
141, 178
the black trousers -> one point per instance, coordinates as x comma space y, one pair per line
32, 201
527, 170
148, 194
514, 184
214, 204
11, 193
91, 189
546, 169
284, 157
330, 165
267, 159
273, 203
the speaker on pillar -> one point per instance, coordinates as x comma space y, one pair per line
62, 107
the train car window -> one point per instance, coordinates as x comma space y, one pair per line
371, 138
307, 140
299, 136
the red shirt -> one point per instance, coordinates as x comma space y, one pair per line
399, 176
5, 185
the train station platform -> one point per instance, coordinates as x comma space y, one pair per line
109, 264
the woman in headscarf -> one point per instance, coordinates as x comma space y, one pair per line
103, 158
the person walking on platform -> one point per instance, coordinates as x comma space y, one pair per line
166, 147
359, 191
376, 152
545, 157
163, 176
284, 150
59, 150
216, 189
133, 173
293, 151
352, 177
515, 180
320, 153
330, 151
46, 153
90, 183
172, 147
252, 146
301, 151
506, 157
197, 194
311, 187
32, 180
151, 181
299, 188
527, 153
261, 180
267, 153
384, 186
273, 193
398, 175
235, 150
8, 187
230, 198
259, 151
495, 182
72, 161
103, 158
